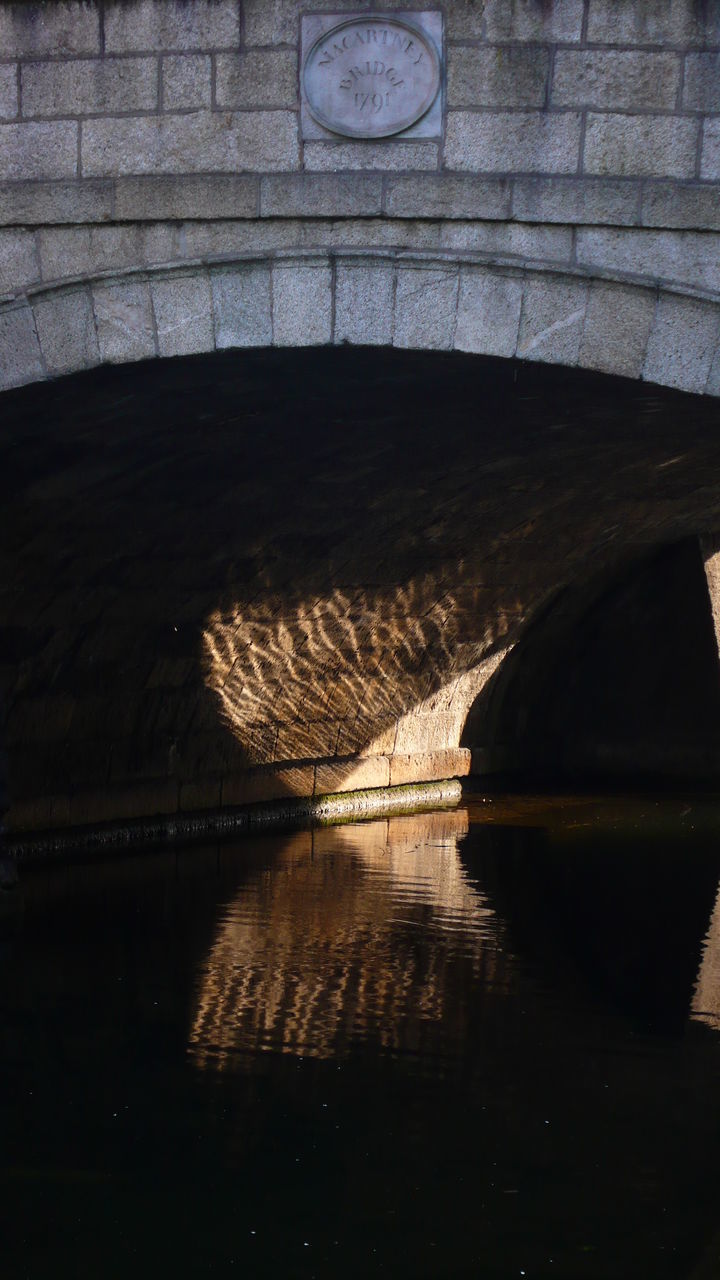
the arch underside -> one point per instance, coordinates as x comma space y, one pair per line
611, 322
253, 575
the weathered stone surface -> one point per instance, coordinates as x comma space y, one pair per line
8, 91
488, 313
614, 79
186, 81
370, 155
447, 195
66, 329
18, 261
77, 251
352, 775
38, 149
146, 25
510, 77
710, 158
572, 200
712, 387
320, 195
257, 140
183, 314
672, 204
645, 146
425, 308
33, 203
682, 343
301, 304
271, 783
89, 87
242, 306
20, 358
124, 321
187, 197
701, 84
551, 325
684, 256
617, 328
510, 239
500, 142
652, 21
31, 30
257, 78
272, 21
429, 766
364, 303
517, 20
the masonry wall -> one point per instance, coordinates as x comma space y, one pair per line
581, 138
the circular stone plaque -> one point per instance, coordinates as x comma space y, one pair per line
371, 77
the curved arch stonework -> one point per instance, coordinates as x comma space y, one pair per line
513, 309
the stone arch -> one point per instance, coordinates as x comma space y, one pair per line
528, 310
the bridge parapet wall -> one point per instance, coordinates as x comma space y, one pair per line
581, 140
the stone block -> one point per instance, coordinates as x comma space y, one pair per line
672, 204
242, 306
183, 314
77, 251
528, 142
508, 77
219, 240
516, 20
200, 795
38, 149
710, 158
376, 156
551, 323
640, 146
573, 200
18, 261
32, 30
20, 358
320, 195
360, 233
689, 257
652, 22
682, 343
425, 308
66, 329
429, 766
617, 327
509, 239
701, 82
124, 321
152, 798
257, 78
612, 79
33, 203
89, 86
488, 316
186, 81
185, 197
271, 783
204, 140
172, 24
357, 774
712, 388
301, 304
447, 195
364, 303
271, 21
8, 91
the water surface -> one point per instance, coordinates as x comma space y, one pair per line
483, 1042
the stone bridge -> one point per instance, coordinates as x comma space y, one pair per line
236, 575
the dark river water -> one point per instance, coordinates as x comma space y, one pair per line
475, 1043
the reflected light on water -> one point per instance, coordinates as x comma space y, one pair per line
301, 679
705, 1005
354, 935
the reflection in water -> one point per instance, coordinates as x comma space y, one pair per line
706, 997
348, 939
